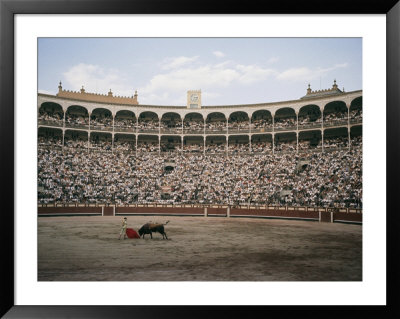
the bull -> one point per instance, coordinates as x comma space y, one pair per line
150, 228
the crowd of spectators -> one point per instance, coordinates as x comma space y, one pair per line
213, 126
285, 122
335, 116
50, 116
104, 120
76, 120
124, 123
261, 147
336, 142
238, 125
356, 114
193, 126
309, 119
261, 123
216, 126
71, 175
286, 146
148, 125
310, 144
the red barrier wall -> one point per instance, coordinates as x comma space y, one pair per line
326, 217
109, 211
275, 213
68, 210
216, 211
350, 217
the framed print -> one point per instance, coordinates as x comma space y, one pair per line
203, 160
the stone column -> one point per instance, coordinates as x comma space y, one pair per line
136, 140
348, 123
249, 134
88, 141
348, 134
322, 139
273, 143
63, 137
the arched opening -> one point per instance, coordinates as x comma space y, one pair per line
171, 123
261, 143
193, 123
101, 119
216, 123
336, 138
261, 121
215, 144
310, 140
49, 137
171, 143
124, 143
193, 144
239, 122
51, 114
125, 121
77, 116
356, 110
238, 144
147, 143
285, 119
101, 141
310, 116
286, 142
148, 122
356, 136
76, 140
335, 113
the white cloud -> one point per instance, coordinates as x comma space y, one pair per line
219, 54
176, 62
96, 79
296, 74
207, 78
273, 60
253, 73
307, 74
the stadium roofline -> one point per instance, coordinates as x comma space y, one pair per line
208, 106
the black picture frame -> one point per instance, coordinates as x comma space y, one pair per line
8, 10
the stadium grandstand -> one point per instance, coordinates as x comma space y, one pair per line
110, 150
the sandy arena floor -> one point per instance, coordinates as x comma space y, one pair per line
198, 249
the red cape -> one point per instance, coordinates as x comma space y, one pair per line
131, 233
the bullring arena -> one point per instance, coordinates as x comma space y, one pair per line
257, 192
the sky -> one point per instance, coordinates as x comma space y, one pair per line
226, 70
